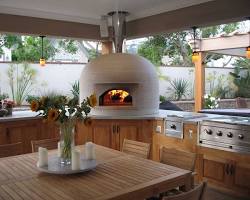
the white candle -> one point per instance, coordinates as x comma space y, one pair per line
42, 157
59, 149
76, 160
90, 151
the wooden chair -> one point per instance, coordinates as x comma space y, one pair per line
11, 149
136, 148
178, 158
198, 193
46, 143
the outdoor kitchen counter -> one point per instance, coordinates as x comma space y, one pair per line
193, 117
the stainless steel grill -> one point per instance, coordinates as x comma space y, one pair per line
230, 134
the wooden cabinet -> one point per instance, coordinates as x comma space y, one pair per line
25, 131
111, 133
227, 170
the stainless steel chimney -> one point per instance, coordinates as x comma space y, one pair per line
119, 28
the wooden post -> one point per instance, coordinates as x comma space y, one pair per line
107, 47
199, 83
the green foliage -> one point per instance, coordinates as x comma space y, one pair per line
180, 87
176, 47
3, 96
75, 89
93, 54
21, 81
31, 98
28, 48
153, 49
241, 77
68, 45
163, 98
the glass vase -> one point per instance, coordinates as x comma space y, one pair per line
67, 142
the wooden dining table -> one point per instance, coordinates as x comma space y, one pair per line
117, 176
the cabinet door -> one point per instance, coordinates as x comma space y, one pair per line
127, 129
215, 169
102, 133
242, 175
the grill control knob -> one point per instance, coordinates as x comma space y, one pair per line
219, 133
241, 136
209, 132
173, 126
230, 135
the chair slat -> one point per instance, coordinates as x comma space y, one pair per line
47, 143
178, 158
136, 148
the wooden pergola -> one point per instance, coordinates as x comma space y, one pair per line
233, 45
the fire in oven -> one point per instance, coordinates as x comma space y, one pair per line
116, 97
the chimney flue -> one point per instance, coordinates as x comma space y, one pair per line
119, 28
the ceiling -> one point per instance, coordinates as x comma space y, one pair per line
89, 11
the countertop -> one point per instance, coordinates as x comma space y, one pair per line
188, 117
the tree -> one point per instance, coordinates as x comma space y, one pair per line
176, 47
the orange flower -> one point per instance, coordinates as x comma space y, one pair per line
92, 100
52, 115
34, 105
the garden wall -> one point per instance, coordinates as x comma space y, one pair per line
52, 77
187, 73
223, 103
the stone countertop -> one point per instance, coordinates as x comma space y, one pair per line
188, 117
193, 117
20, 115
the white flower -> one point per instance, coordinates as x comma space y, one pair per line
206, 96
212, 98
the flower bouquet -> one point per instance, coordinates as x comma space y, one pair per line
65, 112
211, 102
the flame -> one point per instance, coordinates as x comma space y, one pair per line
120, 93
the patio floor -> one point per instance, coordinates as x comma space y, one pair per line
213, 194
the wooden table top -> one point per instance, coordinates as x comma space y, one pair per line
117, 176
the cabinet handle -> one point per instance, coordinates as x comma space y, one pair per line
227, 169
118, 129
231, 170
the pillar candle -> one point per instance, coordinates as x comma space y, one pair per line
90, 151
59, 149
76, 160
42, 157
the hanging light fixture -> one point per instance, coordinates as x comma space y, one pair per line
195, 54
42, 59
248, 48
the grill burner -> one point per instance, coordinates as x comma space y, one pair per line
226, 133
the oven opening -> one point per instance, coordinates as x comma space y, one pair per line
115, 97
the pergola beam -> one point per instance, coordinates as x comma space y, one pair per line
224, 43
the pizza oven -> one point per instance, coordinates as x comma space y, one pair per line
124, 84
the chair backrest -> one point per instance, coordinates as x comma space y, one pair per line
136, 148
178, 158
11, 149
46, 143
241, 103
198, 193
